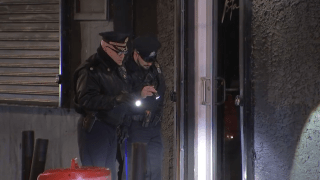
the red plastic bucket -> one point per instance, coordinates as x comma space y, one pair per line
76, 173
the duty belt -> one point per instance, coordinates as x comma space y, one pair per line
137, 117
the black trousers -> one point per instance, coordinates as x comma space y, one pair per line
98, 147
152, 137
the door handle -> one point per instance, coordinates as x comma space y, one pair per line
205, 86
224, 90
204, 89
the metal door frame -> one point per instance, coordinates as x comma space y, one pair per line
205, 139
187, 158
246, 120
196, 141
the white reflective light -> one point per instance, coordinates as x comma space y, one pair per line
157, 97
231, 137
138, 103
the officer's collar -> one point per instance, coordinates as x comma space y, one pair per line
106, 59
132, 67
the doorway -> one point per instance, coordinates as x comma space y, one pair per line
228, 68
209, 124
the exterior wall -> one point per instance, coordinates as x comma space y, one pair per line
56, 125
165, 18
59, 125
286, 56
90, 38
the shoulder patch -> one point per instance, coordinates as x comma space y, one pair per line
153, 53
158, 67
123, 72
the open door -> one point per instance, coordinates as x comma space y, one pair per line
212, 90
228, 67
196, 129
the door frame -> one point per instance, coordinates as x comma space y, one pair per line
246, 116
187, 101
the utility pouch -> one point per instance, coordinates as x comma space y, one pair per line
147, 118
88, 122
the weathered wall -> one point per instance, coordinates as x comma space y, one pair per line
90, 38
59, 125
286, 56
165, 18
56, 125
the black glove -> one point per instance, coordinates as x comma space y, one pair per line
125, 98
124, 134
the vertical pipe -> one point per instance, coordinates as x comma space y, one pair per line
27, 152
61, 56
39, 158
64, 27
139, 161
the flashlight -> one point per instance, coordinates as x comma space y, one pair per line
138, 103
157, 96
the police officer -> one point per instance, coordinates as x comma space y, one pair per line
145, 116
101, 93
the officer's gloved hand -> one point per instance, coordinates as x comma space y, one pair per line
124, 134
148, 91
125, 98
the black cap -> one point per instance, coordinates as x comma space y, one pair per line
114, 36
147, 47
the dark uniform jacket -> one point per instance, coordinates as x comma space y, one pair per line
139, 78
97, 83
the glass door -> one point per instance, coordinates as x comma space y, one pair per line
210, 127
228, 68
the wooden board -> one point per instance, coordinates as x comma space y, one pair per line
32, 9
29, 1
29, 18
29, 45
29, 27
